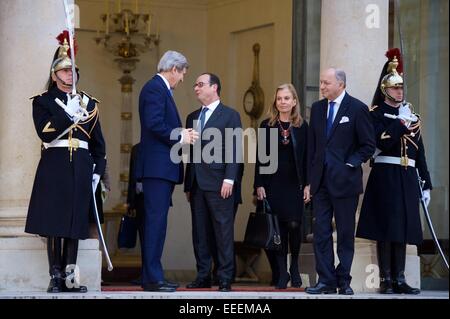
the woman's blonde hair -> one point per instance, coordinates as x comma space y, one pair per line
296, 119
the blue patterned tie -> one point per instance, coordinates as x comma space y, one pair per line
330, 118
202, 118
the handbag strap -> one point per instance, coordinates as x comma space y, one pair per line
266, 207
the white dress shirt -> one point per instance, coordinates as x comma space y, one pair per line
211, 108
165, 81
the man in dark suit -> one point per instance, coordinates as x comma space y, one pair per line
341, 139
209, 183
160, 131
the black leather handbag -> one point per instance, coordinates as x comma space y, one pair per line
263, 230
127, 232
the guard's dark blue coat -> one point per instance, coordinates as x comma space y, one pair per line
62, 192
390, 209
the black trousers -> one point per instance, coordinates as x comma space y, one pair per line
212, 218
343, 210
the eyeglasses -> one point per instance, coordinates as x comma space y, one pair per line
200, 84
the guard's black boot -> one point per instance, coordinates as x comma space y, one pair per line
71, 283
384, 263
71, 280
54, 261
401, 287
399, 284
386, 286
56, 282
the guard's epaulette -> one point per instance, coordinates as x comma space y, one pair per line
34, 96
91, 97
372, 108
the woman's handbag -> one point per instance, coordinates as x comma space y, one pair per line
127, 232
263, 230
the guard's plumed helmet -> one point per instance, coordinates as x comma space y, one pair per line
61, 59
391, 76
392, 79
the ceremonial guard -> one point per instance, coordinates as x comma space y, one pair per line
72, 145
390, 209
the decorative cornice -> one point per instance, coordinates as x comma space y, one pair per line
179, 4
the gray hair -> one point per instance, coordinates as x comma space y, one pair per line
340, 76
172, 59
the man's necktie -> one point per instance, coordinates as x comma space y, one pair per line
330, 118
202, 118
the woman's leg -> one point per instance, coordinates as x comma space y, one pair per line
281, 256
295, 239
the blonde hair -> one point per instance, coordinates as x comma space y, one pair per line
273, 113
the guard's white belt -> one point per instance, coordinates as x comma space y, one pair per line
403, 161
74, 143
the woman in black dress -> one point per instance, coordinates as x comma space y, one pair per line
287, 188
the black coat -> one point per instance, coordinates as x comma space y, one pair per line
62, 192
390, 209
351, 141
284, 188
299, 136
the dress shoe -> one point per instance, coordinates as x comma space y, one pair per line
296, 280
199, 283
55, 285
158, 287
283, 281
320, 288
346, 290
80, 289
386, 287
171, 284
136, 282
224, 286
404, 288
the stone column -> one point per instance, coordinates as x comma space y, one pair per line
27, 35
28, 30
354, 37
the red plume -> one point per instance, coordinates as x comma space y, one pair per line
65, 35
395, 52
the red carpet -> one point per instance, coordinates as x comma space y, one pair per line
213, 289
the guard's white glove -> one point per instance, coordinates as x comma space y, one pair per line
405, 114
73, 105
426, 197
95, 181
74, 109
